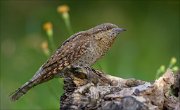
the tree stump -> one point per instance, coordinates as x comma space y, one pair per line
89, 89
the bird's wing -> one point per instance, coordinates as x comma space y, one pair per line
71, 50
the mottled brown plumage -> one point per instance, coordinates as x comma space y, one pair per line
82, 49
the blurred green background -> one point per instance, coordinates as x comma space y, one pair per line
151, 39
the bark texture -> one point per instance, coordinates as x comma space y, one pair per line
89, 89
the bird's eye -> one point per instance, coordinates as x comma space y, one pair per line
112, 34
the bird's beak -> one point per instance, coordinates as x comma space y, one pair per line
118, 30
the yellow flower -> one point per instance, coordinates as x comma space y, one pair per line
45, 48
44, 45
47, 26
63, 9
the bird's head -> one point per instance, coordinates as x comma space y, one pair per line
106, 33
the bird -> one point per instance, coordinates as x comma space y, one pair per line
82, 49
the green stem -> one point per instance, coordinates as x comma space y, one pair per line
51, 40
67, 22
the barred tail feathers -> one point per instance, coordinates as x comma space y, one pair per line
21, 91
27, 86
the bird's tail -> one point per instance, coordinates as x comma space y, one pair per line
22, 90
35, 80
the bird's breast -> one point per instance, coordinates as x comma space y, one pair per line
89, 57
